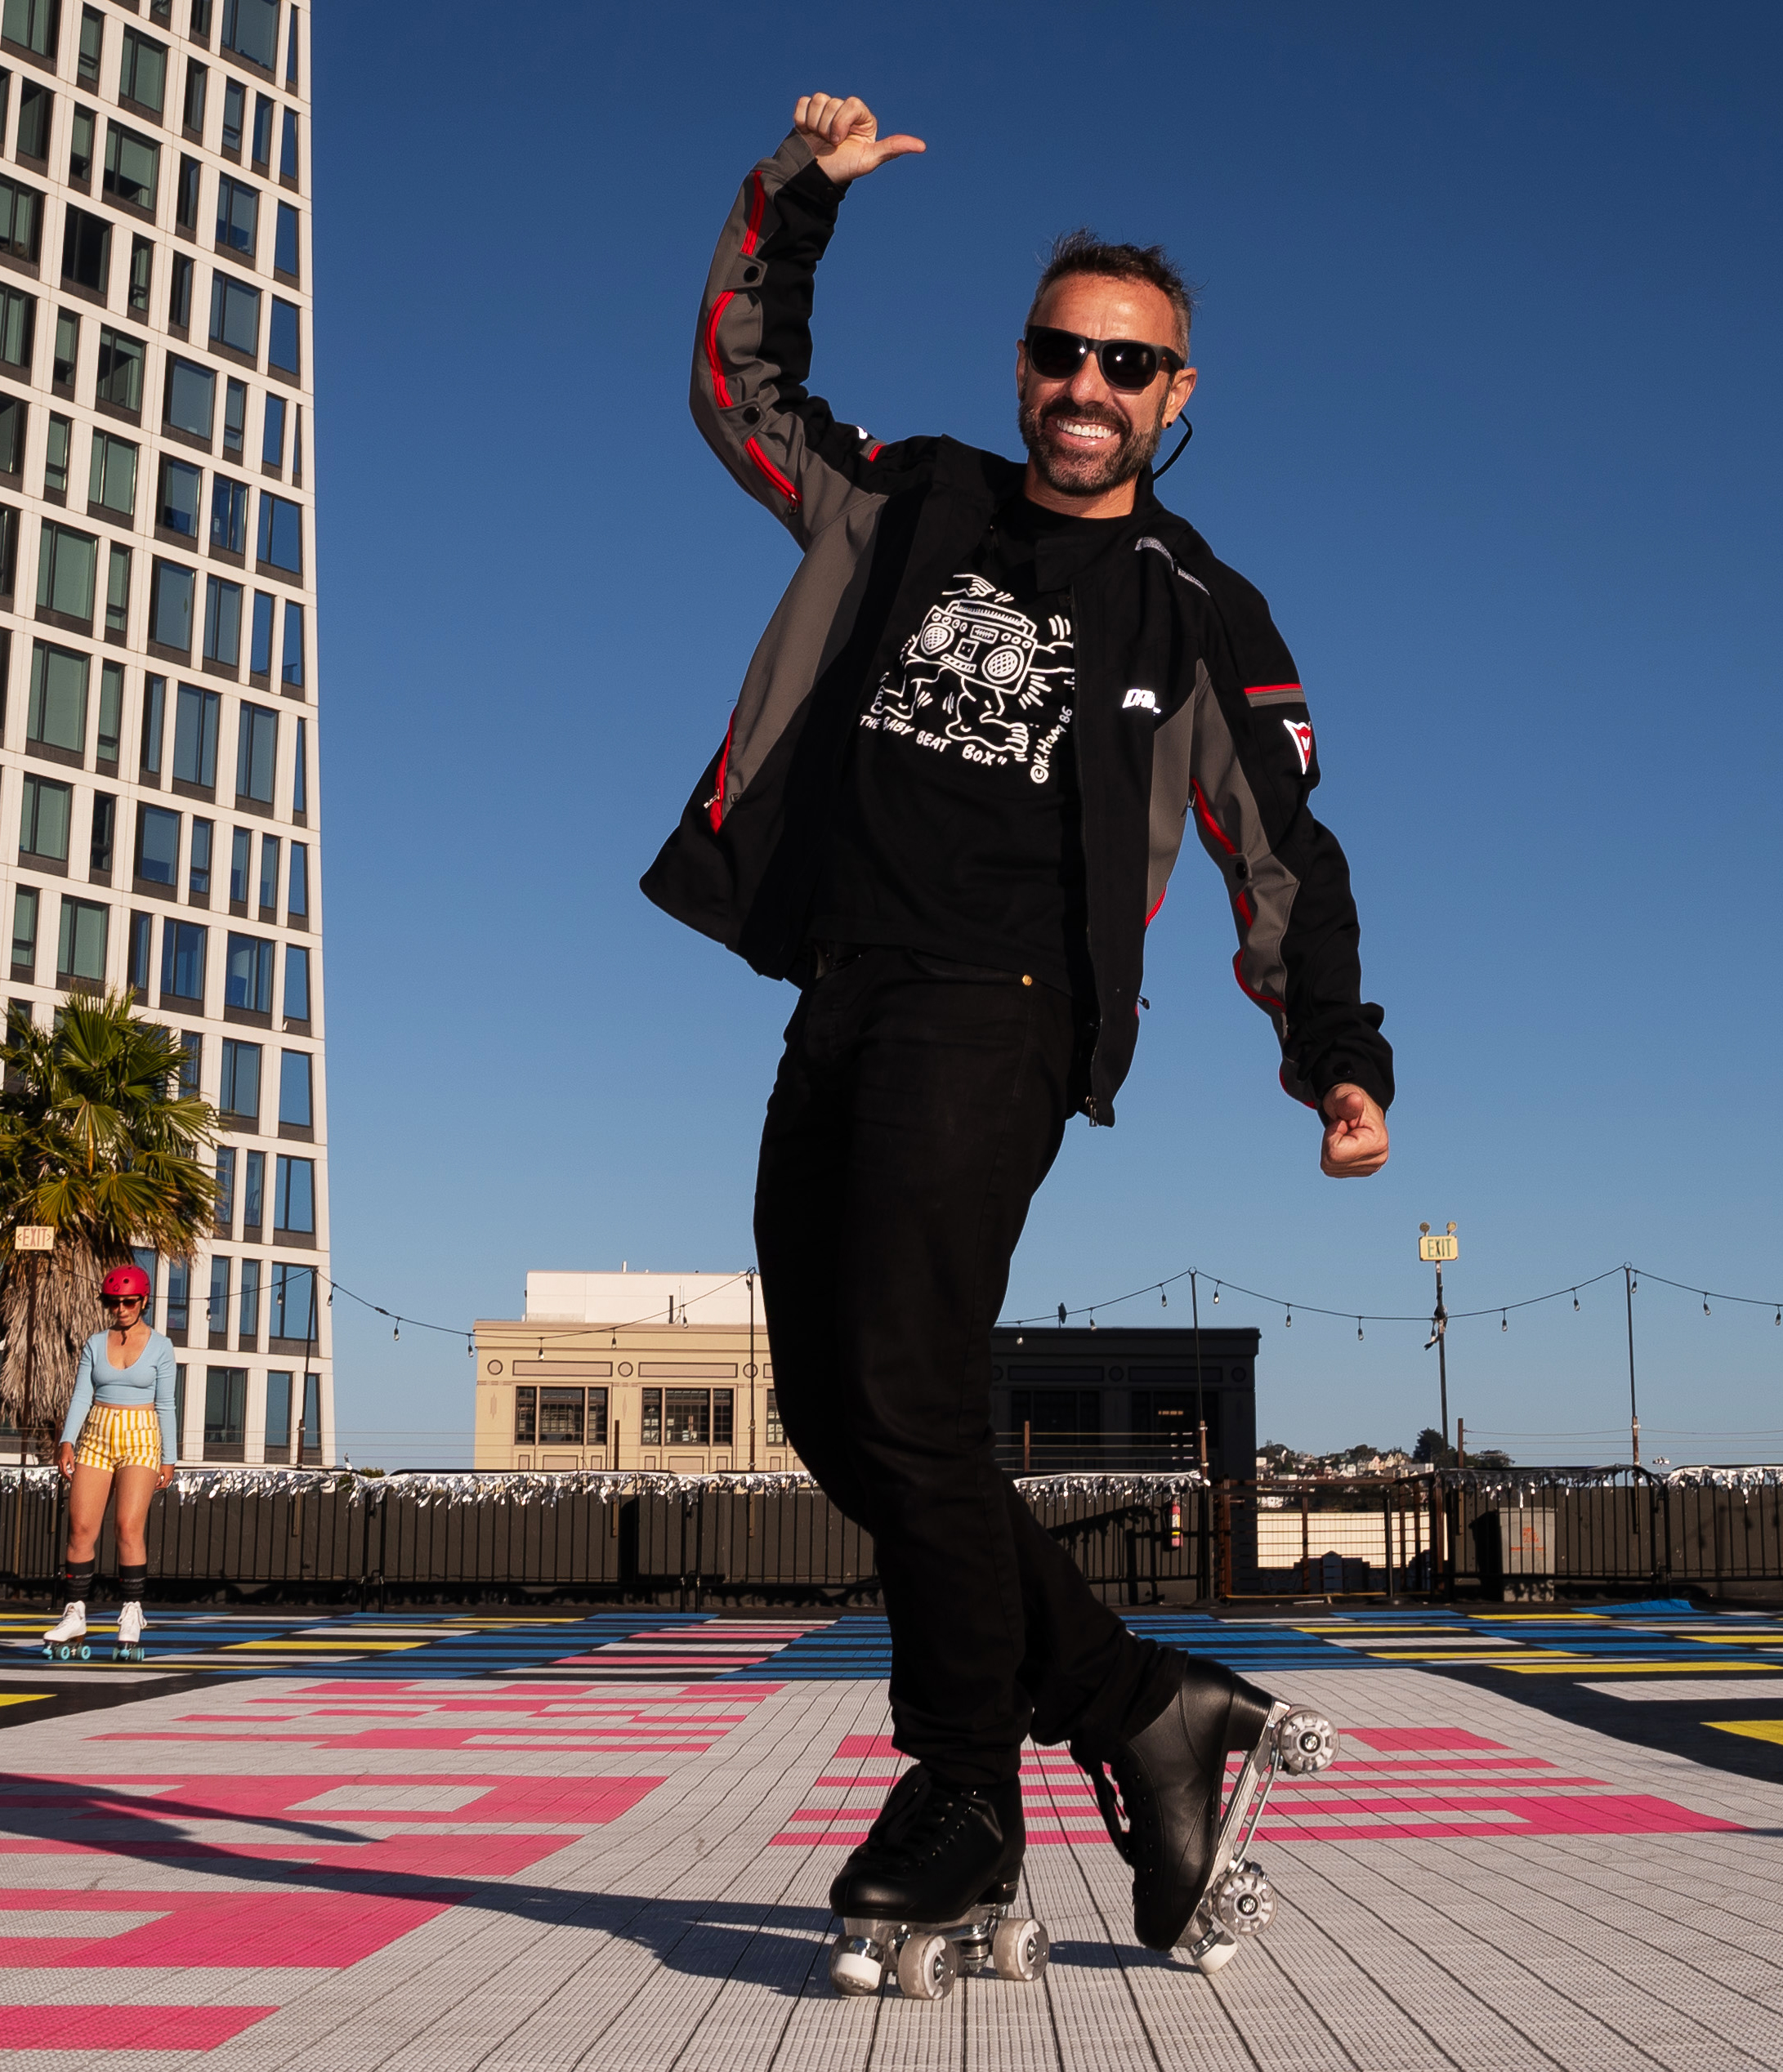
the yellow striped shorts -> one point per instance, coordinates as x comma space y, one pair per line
120, 1435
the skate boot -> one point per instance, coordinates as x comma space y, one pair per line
931, 1892
1160, 1792
66, 1640
130, 1625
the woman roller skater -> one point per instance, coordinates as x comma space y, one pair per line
119, 1427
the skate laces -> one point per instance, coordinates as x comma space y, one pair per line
923, 1823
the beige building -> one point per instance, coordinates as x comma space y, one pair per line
646, 1370
160, 798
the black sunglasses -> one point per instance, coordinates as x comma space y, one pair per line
1126, 364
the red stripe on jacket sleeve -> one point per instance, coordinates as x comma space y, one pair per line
721, 388
715, 810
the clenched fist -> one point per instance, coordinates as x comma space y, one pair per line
845, 136
1355, 1134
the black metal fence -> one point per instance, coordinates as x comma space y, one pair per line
1139, 1539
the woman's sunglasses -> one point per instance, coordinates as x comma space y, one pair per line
1126, 364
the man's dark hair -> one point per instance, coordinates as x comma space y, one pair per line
1082, 252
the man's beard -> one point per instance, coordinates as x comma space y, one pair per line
1088, 473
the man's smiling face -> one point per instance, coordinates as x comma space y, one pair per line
1084, 437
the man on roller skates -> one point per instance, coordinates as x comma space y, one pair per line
953, 790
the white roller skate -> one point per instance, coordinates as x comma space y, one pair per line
130, 1625
1239, 1900
66, 1640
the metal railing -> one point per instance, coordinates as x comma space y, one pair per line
1139, 1538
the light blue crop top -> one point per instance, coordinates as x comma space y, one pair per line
149, 1378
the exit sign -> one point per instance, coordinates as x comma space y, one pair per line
35, 1237
1436, 1250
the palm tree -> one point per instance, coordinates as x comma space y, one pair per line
98, 1141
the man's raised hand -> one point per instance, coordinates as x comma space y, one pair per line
845, 136
1355, 1134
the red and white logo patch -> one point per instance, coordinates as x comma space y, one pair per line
1300, 733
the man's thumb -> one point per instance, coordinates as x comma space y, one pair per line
896, 147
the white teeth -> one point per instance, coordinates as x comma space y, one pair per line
1085, 431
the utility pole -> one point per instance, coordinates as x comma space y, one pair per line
1433, 1251
1204, 1535
1201, 1402
35, 1239
1634, 1412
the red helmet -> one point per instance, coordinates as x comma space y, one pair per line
126, 1280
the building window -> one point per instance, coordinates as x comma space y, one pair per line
9, 561
260, 651
141, 934
293, 649
234, 424
180, 294
282, 347
67, 566
228, 514
240, 1093
197, 716
155, 701
185, 197
111, 479
80, 131
32, 139
157, 845
57, 715
560, 1417
251, 29
217, 1310
67, 350
278, 1386
182, 960
132, 165
34, 25
191, 398
22, 221
293, 1293
249, 1323
291, 53
297, 447
287, 150
198, 878
284, 249
87, 251
118, 593
234, 116
297, 883
197, 78
225, 1412
526, 1416
776, 1431
92, 40
247, 977
43, 822
238, 215
142, 76
18, 321
224, 1214
111, 710
700, 1416
80, 951
281, 533
294, 1089
300, 775
297, 983
256, 751
272, 436
120, 381
14, 417
105, 826
24, 903
55, 451
264, 109
141, 271
269, 873
252, 1191
235, 316
222, 621
179, 1295
170, 607
649, 1417
238, 867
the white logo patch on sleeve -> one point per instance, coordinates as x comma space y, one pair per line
1300, 733
1144, 701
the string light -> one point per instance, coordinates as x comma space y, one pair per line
1061, 1313
396, 1332
1359, 1328
1163, 1299
1289, 1326
1216, 1290
1576, 1298
1706, 1301
1092, 1320
1503, 1320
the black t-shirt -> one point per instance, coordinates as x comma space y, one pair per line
956, 828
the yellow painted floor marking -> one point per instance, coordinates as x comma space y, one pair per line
23, 1697
1642, 1668
1759, 1730
341, 1646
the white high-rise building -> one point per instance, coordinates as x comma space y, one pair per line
158, 800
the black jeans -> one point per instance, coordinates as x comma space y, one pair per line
916, 1110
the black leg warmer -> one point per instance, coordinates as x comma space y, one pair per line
79, 1577
132, 1581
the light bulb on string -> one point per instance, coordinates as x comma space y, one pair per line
1706, 1301
1061, 1313
1288, 1325
396, 1332
1576, 1298
1359, 1328
1092, 1320
1020, 1339
1216, 1290
1503, 1321
1778, 1318
1163, 1299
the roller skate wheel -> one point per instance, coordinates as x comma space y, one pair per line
927, 1967
1211, 1960
1244, 1900
85, 1652
854, 1967
1305, 1742
1019, 1949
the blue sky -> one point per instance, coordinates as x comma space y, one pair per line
1488, 407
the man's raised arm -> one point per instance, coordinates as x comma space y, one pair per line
752, 353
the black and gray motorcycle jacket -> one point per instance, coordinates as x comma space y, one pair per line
1188, 702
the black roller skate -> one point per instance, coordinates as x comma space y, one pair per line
931, 1892
1160, 1793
